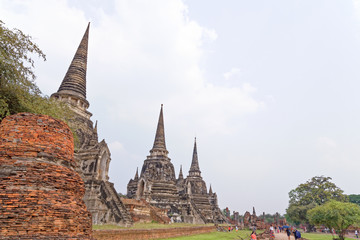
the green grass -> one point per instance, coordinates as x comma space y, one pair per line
319, 236
241, 234
148, 226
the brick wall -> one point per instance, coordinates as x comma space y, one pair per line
40, 191
142, 234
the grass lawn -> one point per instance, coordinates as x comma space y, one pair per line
148, 226
319, 236
241, 234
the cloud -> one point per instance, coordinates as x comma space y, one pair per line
233, 72
326, 143
117, 147
356, 4
141, 54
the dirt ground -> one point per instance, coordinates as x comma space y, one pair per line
283, 236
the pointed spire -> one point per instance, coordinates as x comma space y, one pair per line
95, 128
74, 82
194, 169
136, 174
159, 143
254, 213
210, 190
181, 176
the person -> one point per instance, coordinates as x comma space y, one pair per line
356, 233
236, 228
253, 235
296, 234
288, 233
272, 233
229, 228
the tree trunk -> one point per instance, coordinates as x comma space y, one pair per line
342, 234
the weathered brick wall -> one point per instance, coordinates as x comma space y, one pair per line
40, 191
143, 234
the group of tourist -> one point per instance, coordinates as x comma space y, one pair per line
231, 228
287, 229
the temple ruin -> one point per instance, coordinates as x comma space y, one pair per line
40, 190
186, 200
183, 199
93, 156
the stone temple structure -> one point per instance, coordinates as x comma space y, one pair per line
196, 191
157, 181
93, 156
186, 200
204, 203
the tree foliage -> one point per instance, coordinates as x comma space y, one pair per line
316, 191
18, 91
354, 198
335, 214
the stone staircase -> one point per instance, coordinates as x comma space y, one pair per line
118, 208
202, 203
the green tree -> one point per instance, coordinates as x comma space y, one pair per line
337, 215
354, 198
316, 191
18, 91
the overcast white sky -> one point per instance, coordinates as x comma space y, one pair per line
269, 88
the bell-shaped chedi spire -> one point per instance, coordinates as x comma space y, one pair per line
136, 174
74, 82
159, 147
181, 176
194, 169
73, 87
210, 190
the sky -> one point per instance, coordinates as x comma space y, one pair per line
270, 89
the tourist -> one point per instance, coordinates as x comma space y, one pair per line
297, 234
229, 228
272, 233
253, 235
288, 233
356, 233
236, 228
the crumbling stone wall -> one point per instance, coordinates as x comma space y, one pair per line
40, 191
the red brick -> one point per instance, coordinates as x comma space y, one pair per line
40, 191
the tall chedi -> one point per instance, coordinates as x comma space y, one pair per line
101, 198
157, 182
204, 205
196, 190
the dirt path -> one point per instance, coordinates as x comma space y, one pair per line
283, 236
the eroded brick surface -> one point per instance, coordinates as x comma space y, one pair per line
40, 191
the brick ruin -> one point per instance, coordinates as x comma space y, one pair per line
142, 211
252, 221
41, 192
186, 200
93, 156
